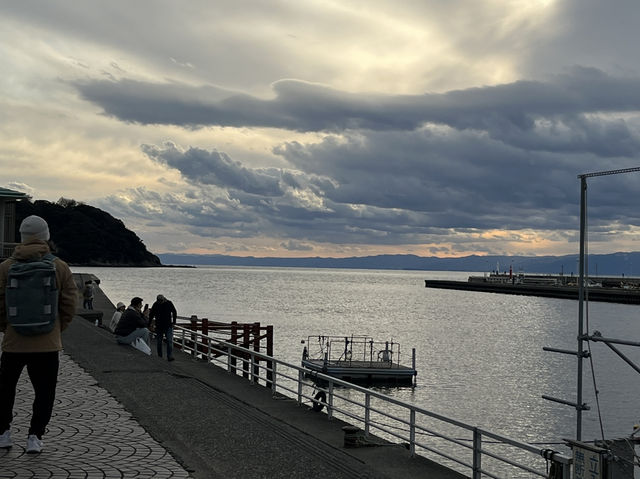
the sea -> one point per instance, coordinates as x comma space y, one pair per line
480, 357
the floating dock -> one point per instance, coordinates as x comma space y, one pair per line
358, 359
364, 372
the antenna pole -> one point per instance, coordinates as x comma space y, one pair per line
583, 218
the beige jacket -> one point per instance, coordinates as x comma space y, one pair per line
67, 300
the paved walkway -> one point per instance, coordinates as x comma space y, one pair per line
90, 435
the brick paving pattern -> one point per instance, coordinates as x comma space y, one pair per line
90, 435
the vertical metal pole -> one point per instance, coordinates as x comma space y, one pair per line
272, 375
256, 347
194, 337
477, 454
252, 368
367, 413
413, 365
246, 331
232, 352
330, 402
583, 223
412, 432
300, 381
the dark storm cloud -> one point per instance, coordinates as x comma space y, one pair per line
458, 178
397, 187
302, 213
550, 116
214, 168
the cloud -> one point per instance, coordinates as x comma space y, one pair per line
564, 114
382, 188
292, 245
214, 168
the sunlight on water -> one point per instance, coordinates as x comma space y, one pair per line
479, 355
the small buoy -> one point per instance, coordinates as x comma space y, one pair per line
318, 401
96, 322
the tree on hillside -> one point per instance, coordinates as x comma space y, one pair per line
85, 235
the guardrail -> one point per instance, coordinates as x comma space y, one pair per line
465, 447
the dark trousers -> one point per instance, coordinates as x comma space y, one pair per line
168, 334
43, 373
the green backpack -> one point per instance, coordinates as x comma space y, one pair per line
32, 296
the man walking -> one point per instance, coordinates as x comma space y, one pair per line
165, 315
25, 344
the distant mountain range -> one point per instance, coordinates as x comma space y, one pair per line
615, 264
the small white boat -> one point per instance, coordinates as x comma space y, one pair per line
358, 359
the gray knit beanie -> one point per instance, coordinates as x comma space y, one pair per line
34, 227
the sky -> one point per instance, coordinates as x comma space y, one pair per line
330, 128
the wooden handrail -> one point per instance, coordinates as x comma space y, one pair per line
248, 335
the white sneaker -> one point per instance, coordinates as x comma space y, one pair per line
34, 445
5, 440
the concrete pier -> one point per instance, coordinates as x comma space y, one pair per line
611, 295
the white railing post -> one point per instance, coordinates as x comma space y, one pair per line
367, 413
252, 362
412, 432
477, 454
330, 401
300, 379
274, 388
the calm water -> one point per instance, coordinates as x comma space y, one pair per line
479, 355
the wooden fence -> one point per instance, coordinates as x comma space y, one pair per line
250, 336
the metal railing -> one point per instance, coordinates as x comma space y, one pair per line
464, 447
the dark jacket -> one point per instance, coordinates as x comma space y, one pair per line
165, 314
130, 320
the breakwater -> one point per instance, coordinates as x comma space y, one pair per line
610, 295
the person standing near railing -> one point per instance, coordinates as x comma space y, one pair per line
165, 315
